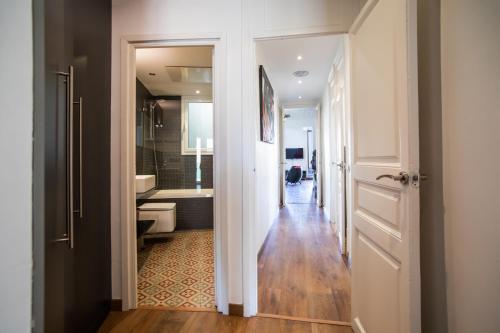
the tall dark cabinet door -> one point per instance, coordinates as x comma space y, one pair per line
59, 257
92, 61
77, 277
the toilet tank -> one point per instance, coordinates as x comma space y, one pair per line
163, 213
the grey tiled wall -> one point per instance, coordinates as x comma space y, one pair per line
176, 171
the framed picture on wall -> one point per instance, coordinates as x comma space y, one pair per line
266, 107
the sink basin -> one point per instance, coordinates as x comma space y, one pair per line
144, 183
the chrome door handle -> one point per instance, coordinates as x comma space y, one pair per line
402, 177
342, 165
70, 158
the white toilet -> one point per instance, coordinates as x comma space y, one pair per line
163, 213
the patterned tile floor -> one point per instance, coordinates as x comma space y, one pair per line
178, 271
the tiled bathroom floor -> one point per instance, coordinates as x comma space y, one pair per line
178, 271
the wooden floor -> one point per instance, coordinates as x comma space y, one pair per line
301, 272
300, 193
157, 321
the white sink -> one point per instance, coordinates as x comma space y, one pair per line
144, 183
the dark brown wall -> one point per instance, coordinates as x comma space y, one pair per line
433, 280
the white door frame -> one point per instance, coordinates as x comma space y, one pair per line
281, 158
127, 158
250, 115
319, 155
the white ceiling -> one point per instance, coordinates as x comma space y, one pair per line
179, 71
279, 58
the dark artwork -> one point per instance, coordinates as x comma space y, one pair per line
266, 108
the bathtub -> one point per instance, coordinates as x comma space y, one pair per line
194, 207
182, 193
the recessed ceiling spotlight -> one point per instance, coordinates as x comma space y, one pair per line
197, 91
152, 74
299, 57
299, 82
300, 73
300, 97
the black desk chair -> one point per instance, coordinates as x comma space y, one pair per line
294, 175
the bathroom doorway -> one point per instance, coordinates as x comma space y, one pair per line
175, 235
174, 177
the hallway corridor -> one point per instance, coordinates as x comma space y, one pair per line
301, 271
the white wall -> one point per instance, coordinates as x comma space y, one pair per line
16, 125
140, 17
295, 136
267, 203
234, 19
267, 178
471, 157
266, 172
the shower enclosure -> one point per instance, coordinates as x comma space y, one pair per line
161, 130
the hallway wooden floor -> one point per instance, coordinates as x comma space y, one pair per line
300, 193
301, 271
157, 321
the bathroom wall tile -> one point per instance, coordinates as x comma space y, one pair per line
175, 171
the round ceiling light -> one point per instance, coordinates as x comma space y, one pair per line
300, 73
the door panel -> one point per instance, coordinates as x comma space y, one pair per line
382, 204
337, 104
77, 280
379, 310
385, 236
59, 258
333, 147
92, 63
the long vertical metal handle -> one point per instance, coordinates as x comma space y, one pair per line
69, 235
80, 152
81, 157
70, 157
65, 237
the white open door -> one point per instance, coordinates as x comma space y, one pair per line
338, 144
385, 211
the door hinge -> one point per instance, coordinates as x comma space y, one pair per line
417, 178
